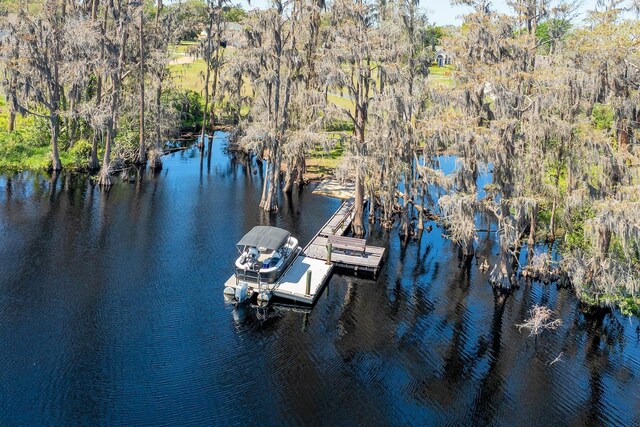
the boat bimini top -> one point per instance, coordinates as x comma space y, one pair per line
264, 238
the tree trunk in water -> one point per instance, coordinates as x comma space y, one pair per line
214, 86
466, 250
105, 178
56, 165
302, 169
155, 163
531, 241
273, 203
105, 174
406, 221
289, 177
358, 210
552, 222
94, 164
142, 152
266, 165
421, 210
206, 87
269, 201
502, 275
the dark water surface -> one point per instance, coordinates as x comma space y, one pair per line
111, 312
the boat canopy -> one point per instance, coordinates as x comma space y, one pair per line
269, 238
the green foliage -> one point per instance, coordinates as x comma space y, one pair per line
574, 239
441, 75
335, 152
602, 117
190, 16
189, 106
433, 35
544, 216
19, 151
629, 306
234, 13
339, 126
550, 32
79, 154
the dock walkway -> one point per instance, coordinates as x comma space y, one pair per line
369, 259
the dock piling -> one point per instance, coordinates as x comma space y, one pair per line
329, 250
308, 289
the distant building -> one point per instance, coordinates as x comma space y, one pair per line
232, 34
442, 57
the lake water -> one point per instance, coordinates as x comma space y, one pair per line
112, 312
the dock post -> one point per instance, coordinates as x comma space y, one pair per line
329, 250
308, 290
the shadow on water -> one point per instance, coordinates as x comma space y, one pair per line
111, 311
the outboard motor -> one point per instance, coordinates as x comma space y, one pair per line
241, 292
263, 298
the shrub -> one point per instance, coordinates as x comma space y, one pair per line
339, 126
602, 116
80, 153
188, 105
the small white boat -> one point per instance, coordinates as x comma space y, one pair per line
265, 254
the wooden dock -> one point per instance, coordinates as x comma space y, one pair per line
347, 252
305, 278
339, 223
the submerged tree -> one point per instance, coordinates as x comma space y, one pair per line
274, 60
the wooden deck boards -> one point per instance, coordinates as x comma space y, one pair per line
338, 225
340, 222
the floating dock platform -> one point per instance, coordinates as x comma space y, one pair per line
293, 283
307, 275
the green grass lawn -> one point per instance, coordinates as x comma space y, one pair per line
183, 47
321, 161
341, 102
441, 75
189, 76
28, 147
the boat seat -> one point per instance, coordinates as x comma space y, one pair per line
265, 255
